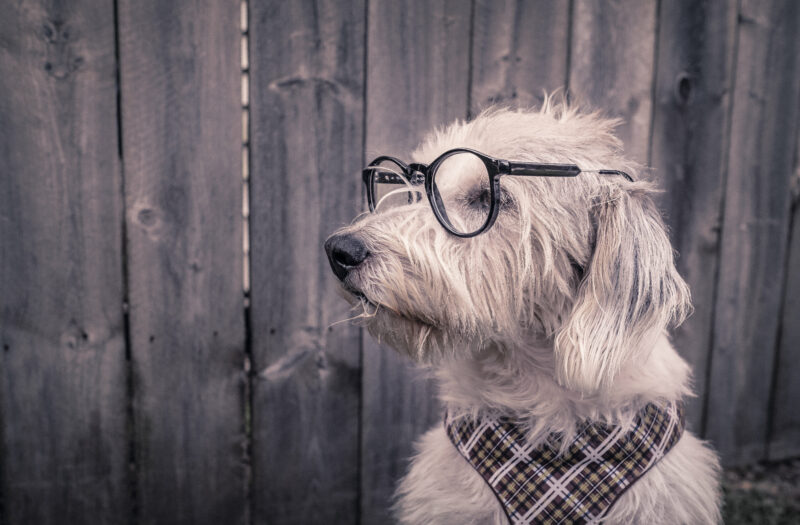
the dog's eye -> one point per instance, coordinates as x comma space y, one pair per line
479, 198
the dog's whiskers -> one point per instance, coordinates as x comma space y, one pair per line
365, 314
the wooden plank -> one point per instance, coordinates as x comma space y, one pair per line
611, 64
418, 78
785, 424
307, 75
755, 228
519, 52
181, 115
689, 147
62, 363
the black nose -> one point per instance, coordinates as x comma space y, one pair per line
345, 252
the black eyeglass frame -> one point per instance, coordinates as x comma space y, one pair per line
494, 167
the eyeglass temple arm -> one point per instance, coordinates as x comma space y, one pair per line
615, 172
533, 169
551, 170
395, 178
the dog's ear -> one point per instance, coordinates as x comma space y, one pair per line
629, 293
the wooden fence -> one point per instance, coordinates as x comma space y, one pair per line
141, 382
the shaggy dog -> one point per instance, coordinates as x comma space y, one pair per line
553, 318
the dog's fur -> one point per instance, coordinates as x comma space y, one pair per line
554, 316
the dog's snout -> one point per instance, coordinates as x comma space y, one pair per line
345, 252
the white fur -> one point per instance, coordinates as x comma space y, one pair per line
556, 315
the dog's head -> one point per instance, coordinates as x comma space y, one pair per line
580, 266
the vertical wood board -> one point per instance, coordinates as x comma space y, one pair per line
689, 153
519, 52
784, 433
307, 84
755, 228
62, 362
417, 79
611, 64
181, 116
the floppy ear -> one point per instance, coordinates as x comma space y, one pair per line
630, 292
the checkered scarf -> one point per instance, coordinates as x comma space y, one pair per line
539, 485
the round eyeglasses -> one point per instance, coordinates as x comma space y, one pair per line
462, 185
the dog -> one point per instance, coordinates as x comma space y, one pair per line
522, 258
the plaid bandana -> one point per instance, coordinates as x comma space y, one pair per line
537, 485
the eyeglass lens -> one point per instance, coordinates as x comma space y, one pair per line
461, 185
390, 187
461, 194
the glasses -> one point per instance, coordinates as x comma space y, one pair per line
462, 185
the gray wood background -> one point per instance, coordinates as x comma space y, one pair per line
147, 376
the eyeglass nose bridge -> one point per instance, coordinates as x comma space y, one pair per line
417, 172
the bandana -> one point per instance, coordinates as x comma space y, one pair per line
539, 485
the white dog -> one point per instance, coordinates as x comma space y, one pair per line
534, 274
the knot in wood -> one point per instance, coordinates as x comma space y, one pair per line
60, 61
75, 338
684, 88
147, 217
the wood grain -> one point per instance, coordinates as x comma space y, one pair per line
519, 52
62, 363
181, 116
689, 152
784, 436
418, 78
307, 76
755, 228
611, 64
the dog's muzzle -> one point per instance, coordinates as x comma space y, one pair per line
345, 253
